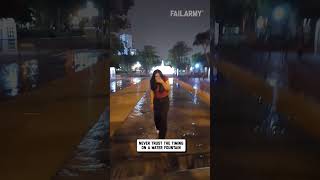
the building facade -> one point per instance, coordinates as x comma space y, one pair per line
8, 35
126, 40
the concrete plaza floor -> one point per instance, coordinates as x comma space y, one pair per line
40, 128
188, 118
252, 146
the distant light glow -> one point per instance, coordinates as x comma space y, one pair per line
136, 66
171, 80
197, 65
112, 72
9, 79
279, 13
119, 83
30, 71
260, 22
136, 80
113, 86
167, 70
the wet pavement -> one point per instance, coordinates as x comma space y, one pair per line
40, 129
26, 73
123, 101
254, 141
188, 118
198, 83
91, 157
123, 82
297, 74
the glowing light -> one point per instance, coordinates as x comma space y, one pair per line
171, 80
197, 65
112, 72
279, 13
136, 80
164, 69
260, 22
113, 86
9, 79
119, 83
136, 66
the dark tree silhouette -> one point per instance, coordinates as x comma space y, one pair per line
148, 57
178, 54
203, 39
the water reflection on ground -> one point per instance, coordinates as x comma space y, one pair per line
123, 82
15, 78
23, 75
198, 83
90, 156
296, 74
280, 72
255, 137
9, 79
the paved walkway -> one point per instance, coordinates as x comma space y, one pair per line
198, 83
91, 158
250, 145
303, 110
188, 118
298, 75
40, 128
122, 103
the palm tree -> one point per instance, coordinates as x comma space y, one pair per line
203, 39
177, 54
148, 57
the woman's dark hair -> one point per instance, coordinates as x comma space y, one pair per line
153, 82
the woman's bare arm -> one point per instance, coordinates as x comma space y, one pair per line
166, 85
151, 96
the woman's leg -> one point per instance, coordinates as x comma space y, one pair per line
157, 114
157, 119
163, 126
163, 120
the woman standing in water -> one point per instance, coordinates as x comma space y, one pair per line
160, 88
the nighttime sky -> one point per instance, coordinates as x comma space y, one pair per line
151, 23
